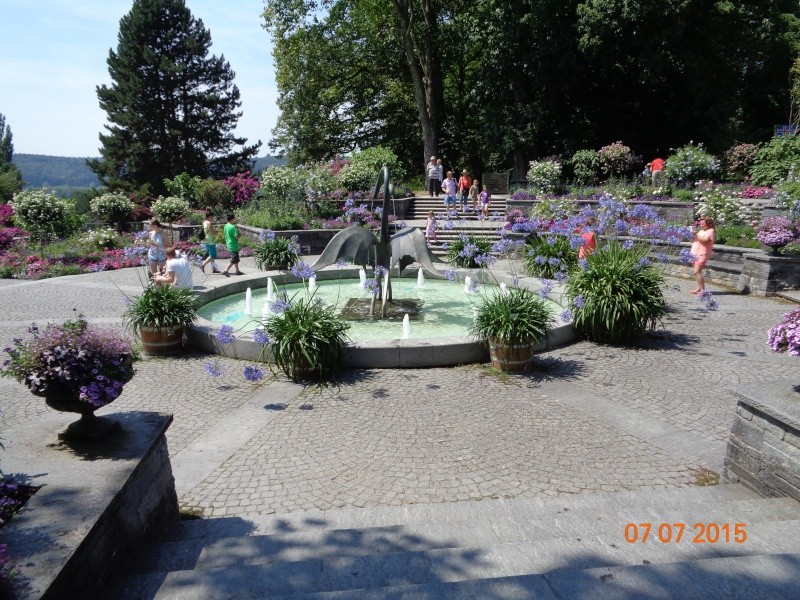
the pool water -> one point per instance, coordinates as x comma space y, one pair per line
446, 309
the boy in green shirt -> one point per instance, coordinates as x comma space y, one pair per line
231, 233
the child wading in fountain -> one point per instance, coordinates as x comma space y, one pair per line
430, 228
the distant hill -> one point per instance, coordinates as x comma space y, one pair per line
68, 173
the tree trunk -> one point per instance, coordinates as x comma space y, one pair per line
425, 69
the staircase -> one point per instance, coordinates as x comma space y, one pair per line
468, 222
562, 547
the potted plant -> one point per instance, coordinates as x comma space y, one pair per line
274, 252
513, 323
306, 339
785, 336
75, 367
158, 317
776, 232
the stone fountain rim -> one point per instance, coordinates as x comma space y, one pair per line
383, 354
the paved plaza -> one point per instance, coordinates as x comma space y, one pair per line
587, 418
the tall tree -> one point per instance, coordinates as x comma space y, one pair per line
10, 177
171, 107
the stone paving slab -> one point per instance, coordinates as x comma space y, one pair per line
588, 418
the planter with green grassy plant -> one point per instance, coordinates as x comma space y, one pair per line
548, 254
159, 315
276, 252
465, 248
513, 323
307, 339
616, 295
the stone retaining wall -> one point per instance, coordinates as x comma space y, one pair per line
764, 447
99, 502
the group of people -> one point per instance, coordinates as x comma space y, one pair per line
169, 266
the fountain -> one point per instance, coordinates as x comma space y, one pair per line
441, 311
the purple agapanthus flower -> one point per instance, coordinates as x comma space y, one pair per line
225, 334
578, 301
565, 315
253, 373
213, 369
302, 270
260, 336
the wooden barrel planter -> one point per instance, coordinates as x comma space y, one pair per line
509, 356
159, 341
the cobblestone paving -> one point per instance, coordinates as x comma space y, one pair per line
436, 435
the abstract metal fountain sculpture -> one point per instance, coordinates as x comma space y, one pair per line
359, 244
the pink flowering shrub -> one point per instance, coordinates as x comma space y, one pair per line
785, 336
244, 186
755, 191
6, 214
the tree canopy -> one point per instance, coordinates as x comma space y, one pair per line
495, 83
171, 107
10, 177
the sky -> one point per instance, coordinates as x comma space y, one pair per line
53, 56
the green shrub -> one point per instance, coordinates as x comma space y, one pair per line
276, 253
283, 183
307, 339
114, 208
787, 194
683, 195
734, 235
546, 255
723, 206
465, 249
544, 176
555, 208
362, 172
184, 186
211, 194
776, 159
584, 164
615, 159
170, 209
690, 164
43, 214
617, 297
517, 316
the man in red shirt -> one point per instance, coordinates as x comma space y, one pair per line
657, 170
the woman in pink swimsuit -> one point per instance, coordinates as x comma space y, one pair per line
702, 245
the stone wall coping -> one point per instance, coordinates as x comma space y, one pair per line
779, 399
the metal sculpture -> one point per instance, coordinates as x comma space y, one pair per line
359, 244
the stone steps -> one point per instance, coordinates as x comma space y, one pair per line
455, 549
420, 208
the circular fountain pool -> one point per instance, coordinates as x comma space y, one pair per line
441, 313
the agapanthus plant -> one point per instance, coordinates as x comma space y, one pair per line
72, 358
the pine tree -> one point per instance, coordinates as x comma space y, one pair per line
171, 108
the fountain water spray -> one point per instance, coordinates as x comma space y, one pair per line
362, 277
420, 278
468, 285
406, 327
248, 302
312, 284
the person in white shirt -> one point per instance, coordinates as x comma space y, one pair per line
178, 271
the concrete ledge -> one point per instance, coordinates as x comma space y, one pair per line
764, 447
389, 354
99, 502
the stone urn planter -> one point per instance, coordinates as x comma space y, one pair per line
90, 427
76, 368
